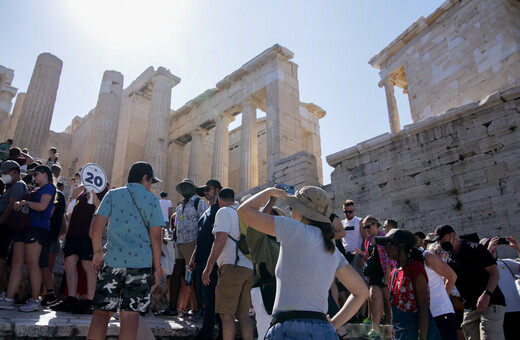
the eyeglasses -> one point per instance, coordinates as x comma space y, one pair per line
367, 226
348, 211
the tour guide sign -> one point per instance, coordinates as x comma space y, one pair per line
94, 179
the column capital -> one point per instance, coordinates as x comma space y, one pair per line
164, 75
224, 118
386, 81
199, 132
250, 101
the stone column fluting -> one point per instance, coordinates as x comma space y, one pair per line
15, 116
196, 155
38, 106
220, 166
393, 114
248, 148
7, 92
103, 134
156, 141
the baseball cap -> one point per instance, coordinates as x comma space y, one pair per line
397, 236
227, 193
139, 169
43, 169
211, 182
9, 165
442, 231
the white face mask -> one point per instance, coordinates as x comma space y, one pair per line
6, 178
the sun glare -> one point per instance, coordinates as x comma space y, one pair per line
128, 25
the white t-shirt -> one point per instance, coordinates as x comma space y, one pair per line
440, 302
352, 238
226, 220
305, 270
508, 269
165, 204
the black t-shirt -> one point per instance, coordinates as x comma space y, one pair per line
205, 236
57, 216
469, 264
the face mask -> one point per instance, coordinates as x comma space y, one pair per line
6, 178
447, 246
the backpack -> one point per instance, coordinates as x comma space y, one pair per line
241, 243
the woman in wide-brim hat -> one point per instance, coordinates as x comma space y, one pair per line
307, 264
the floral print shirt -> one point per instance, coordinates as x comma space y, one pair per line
402, 286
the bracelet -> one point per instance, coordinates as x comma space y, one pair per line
488, 292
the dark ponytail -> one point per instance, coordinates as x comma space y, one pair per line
415, 254
327, 233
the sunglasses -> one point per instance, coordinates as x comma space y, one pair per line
368, 226
348, 211
207, 189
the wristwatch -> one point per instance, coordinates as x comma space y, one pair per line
488, 292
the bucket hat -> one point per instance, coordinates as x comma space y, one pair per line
312, 202
212, 182
184, 181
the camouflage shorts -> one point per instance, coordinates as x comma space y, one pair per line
131, 285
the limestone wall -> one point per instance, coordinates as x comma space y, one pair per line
461, 168
457, 55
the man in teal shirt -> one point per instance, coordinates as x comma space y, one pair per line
132, 261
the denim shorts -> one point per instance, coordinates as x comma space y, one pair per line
302, 329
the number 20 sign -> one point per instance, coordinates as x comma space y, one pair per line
93, 177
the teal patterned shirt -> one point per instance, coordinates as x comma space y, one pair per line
128, 242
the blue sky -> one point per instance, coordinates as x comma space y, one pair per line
203, 41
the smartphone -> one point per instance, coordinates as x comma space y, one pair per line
288, 188
503, 240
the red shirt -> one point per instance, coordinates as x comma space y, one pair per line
402, 288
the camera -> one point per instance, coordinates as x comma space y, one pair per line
503, 240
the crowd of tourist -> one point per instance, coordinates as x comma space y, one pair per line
299, 269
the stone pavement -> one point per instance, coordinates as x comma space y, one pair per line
47, 324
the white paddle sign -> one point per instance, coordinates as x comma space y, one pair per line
93, 178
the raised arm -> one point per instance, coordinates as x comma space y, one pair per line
443, 269
250, 214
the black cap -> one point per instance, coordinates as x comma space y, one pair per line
442, 231
211, 182
227, 193
139, 169
43, 169
397, 236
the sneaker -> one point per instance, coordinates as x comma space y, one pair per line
31, 306
167, 312
2, 295
66, 305
82, 307
49, 299
6, 304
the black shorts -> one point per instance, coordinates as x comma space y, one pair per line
31, 235
81, 246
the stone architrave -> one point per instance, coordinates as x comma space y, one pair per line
248, 148
15, 116
393, 114
103, 134
196, 155
39, 103
220, 166
156, 141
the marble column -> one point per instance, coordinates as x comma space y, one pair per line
15, 116
156, 141
103, 133
196, 155
248, 148
36, 115
7, 93
220, 166
393, 114
175, 173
